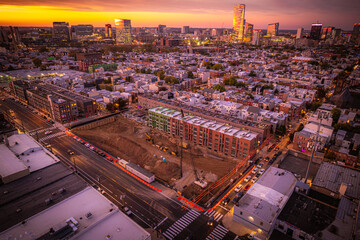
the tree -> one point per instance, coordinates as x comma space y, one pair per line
335, 115
281, 130
110, 107
37, 62
43, 67
43, 49
161, 74
190, 74
219, 88
121, 103
325, 65
300, 127
171, 79
252, 74
128, 78
217, 67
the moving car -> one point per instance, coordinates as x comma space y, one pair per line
210, 222
127, 211
47, 132
70, 152
225, 201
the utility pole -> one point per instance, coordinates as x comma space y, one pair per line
315, 144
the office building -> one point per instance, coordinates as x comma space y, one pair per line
61, 31
315, 32
108, 31
256, 37
273, 30
249, 28
218, 137
123, 31
161, 29
185, 30
15, 35
326, 32
81, 32
299, 33
238, 22
355, 35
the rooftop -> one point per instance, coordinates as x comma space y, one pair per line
9, 163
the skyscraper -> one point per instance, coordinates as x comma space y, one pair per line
81, 32
273, 30
326, 32
315, 32
61, 31
355, 35
248, 32
161, 29
185, 29
108, 30
123, 31
256, 37
238, 22
299, 33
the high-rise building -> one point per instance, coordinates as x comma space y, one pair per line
249, 28
238, 22
123, 31
4, 36
315, 32
299, 33
161, 29
355, 35
81, 32
61, 31
185, 30
273, 30
335, 33
326, 32
108, 30
256, 37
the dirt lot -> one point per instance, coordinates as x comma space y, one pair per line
126, 139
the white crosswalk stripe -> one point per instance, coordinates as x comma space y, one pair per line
218, 233
216, 215
52, 136
181, 224
42, 130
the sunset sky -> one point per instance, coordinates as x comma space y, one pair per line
291, 14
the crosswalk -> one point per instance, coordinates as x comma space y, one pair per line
217, 216
52, 136
34, 132
181, 224
218, 233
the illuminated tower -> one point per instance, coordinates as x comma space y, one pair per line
123, 31
108, 30
238, 22
273, 30
355, 35
315, 32
248, 32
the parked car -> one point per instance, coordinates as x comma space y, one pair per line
254, 179
261, 171
238, 188
247, 178
260, 165
247, 187
255, 170
235, 199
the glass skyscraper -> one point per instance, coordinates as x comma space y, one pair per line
61, 31
238, 22
315, 32
123, 31
273, 30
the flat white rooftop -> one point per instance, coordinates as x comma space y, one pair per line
78, 207
9, 163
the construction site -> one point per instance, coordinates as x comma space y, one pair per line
160, 154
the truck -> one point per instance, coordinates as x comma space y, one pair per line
140, 172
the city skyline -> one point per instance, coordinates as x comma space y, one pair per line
195, 14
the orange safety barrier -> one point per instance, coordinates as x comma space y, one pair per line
191, 203
227, 194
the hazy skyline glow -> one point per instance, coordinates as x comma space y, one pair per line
290, 14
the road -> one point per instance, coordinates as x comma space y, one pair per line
150, 208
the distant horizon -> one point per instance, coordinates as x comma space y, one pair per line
206, 13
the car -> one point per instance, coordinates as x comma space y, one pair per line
210, 222
238, 188
267, 159
48, 146
127, 211
258, 175
240, 194
109, 158
254, 179
260, 165
225, 201
247, 187
255, 170
247, 178
277, 148
261, 171
70, 152
235, 199
47, 132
